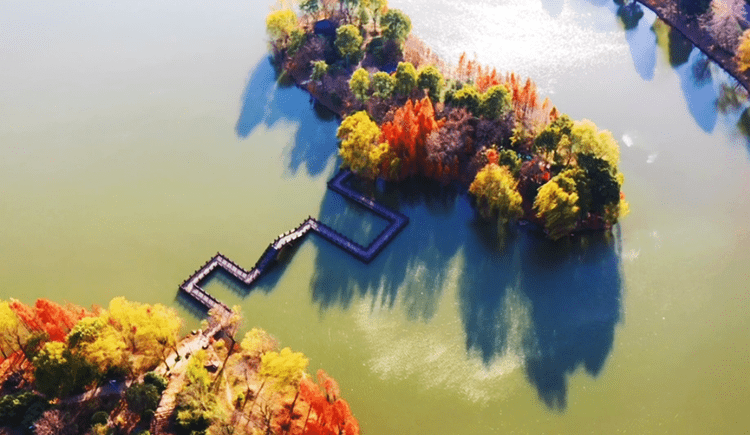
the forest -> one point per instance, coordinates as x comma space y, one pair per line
408, 114
67, 370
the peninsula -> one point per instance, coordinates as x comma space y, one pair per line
67, 370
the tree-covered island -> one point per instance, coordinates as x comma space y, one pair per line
67, 370
406, 113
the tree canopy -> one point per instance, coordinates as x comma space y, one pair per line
496, 193
432, 80
348, 41
557, 204
396, 25
360, 84
361, 147
406, 78
279, 26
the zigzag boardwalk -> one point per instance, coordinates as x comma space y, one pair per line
397, 222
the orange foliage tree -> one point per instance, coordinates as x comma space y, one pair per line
50, 317
327, 413
524, 94
406, 135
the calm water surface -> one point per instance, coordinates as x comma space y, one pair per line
139, 139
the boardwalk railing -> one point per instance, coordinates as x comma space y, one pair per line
396, 220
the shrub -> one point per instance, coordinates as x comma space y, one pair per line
157, 380
99, 417
14, 407
142, 398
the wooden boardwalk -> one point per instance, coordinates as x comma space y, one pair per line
396, 220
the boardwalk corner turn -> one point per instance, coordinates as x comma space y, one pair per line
396, 220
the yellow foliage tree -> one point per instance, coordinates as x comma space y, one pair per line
285, 369
743, 52
148, 330
496, 192
97, 341
361, 148
557, 203
585, 138
12, 332
279, 25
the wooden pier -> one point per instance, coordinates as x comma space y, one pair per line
396, 220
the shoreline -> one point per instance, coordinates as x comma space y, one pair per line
701, 40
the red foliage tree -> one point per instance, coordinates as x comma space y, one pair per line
406, 135
327, 413
50, 317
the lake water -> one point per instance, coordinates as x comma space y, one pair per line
139, 139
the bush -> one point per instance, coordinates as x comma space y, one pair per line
15, 407
99, 417
142, 398
157, 380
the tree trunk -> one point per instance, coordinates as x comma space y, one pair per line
304, 426
291, 411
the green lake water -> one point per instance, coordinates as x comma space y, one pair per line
139, 139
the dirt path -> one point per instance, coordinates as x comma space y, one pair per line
189, 346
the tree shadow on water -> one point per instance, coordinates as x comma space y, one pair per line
266, 101
695, 78
412, 269
574, 292
489, 271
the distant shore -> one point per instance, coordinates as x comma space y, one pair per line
700, 38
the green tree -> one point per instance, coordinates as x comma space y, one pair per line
510, 160
382, 84
319, 70
196, 405
359, 84
58, 372
495, 102
555, 140
375, 9
467, 97
396, 25
496, 193
557, 203
429, 78
405, 78
310, 7
279, 26
142, 399
348, 41
14, 407
361, 148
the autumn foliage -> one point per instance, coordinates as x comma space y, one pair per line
406, 135
50, 317
327, 413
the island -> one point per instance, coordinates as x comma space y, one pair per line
67, 370
408, 114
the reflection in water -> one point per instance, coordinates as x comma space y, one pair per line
266, 103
